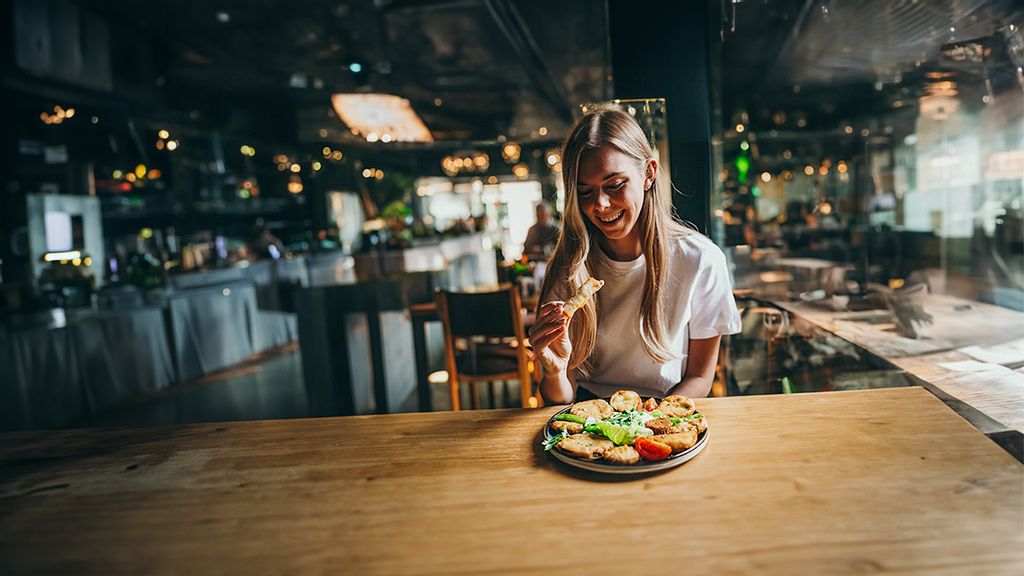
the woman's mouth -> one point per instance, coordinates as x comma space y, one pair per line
611, 218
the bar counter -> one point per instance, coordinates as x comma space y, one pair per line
840, 482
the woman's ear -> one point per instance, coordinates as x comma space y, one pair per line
650, 173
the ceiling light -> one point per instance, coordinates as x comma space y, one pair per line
375, 114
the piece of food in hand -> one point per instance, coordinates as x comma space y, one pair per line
651, 405
582, 295
586, 446
622, 455
678, 441
665, 426
598, 409
570, 427
624, 400
651, 449
676, 406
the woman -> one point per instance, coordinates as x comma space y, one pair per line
655, 326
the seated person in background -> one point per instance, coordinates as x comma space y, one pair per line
542, 236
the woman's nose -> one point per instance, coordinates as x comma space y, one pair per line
601, 200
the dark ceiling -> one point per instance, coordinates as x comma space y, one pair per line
831, 61
474, 70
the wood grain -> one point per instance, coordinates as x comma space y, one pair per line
840, 482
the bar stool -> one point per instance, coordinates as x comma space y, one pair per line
484, 341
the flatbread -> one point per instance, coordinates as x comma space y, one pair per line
582, 295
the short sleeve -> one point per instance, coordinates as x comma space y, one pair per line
713, 305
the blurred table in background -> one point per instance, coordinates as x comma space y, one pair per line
58, 367
966, 356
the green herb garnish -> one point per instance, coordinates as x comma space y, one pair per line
551, 442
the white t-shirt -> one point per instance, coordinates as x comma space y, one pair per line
699, 304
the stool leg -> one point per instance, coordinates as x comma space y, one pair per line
453, 391
475, 395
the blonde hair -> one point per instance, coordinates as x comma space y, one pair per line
571, 263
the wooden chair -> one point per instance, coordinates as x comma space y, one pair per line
484, 340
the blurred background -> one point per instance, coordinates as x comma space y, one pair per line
228, 210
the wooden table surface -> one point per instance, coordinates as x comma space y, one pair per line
839, 482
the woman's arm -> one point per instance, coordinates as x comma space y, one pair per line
702, 358
558, 387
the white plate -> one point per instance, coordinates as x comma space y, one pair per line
642, 467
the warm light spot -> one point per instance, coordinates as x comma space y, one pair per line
164, 134
117, 174
295, 168
766, 177
823, 170
172, 145
740, 128
521, 171
385, 138
140, 170
439, 377
808, 169
77, 262
532, 402
336, 155
367, 173
543, 131
316, 166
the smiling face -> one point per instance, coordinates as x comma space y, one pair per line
610, 186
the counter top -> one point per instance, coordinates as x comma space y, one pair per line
838, 482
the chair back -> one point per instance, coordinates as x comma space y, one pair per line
490, 315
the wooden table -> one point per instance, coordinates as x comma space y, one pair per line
839, 482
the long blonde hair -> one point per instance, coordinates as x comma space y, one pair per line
571, 263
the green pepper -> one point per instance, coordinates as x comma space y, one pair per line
571, 418
594, 429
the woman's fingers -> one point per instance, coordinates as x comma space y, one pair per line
544, 325
543, 339
546, 340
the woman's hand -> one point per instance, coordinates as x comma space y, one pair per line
549, 337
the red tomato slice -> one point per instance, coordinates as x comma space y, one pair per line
652, 449
651, 405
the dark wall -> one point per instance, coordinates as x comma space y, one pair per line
661, 50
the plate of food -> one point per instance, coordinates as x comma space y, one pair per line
626, 435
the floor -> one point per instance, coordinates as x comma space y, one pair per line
267, 387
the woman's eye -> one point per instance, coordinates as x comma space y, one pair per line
617, 185
583, 193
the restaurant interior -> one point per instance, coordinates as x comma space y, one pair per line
273, 211
242, 211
